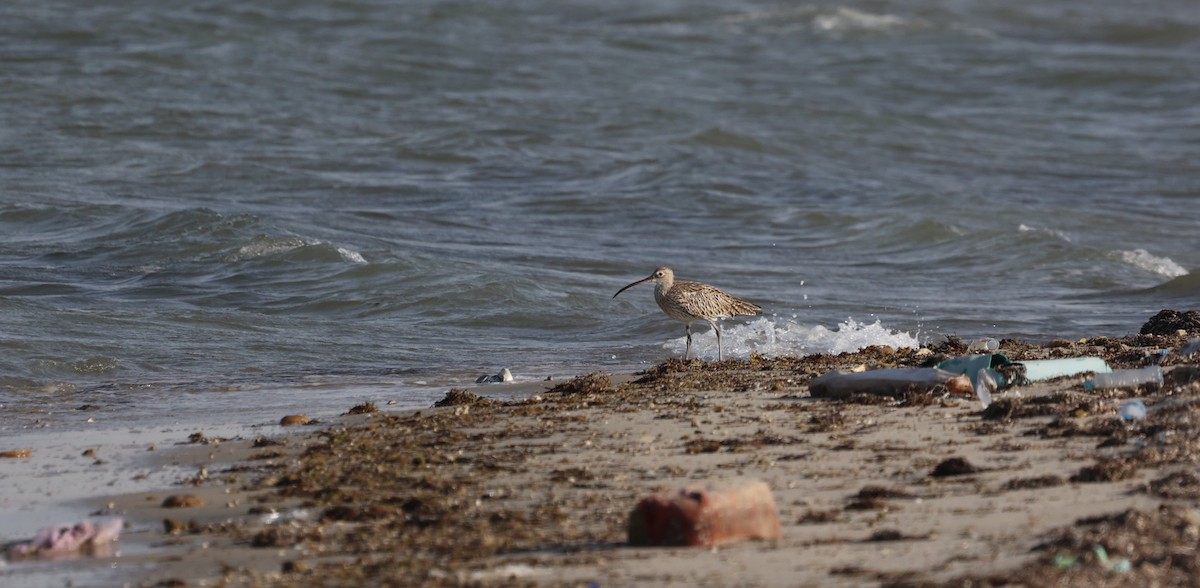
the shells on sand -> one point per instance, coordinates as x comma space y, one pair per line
16, 453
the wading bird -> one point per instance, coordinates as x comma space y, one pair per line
688, 301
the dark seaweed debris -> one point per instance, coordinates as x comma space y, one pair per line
594, 383
1176, 485
460, 397
954, 466
1170, 322
1160, 546
1046, 481
364, 408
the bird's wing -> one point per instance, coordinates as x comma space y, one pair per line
705, 300
710, 301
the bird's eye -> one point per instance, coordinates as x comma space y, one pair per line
659, 274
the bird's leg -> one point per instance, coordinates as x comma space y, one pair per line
688, 328
720, 355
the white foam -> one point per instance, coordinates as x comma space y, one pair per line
263, 246
1142, 259
849, 19
351, 255
775, 336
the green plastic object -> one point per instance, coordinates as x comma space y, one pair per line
971, 364
1038, 369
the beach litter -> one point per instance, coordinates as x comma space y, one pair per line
886, 382
1133, 410
992, 372
1120, 566
82, 538
274, 517
1125, 378
504, 376
980, 375
985, 386
705, 516
1007, 373
504, 573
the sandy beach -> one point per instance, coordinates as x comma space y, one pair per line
1047, 486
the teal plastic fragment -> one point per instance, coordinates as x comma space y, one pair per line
1038, 369
971, 364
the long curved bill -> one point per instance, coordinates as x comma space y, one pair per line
647, 279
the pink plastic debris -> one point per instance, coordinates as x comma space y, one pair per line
68, 539
705, 516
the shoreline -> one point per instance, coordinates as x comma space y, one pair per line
537, 491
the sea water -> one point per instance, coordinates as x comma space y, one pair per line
224, 210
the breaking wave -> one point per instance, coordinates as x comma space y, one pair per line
264, 246
1142, 259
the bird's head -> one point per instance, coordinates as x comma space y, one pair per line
662, 276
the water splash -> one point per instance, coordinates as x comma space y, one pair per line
774, 336
1142, 259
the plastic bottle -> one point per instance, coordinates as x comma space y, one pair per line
1125, 378
985, 385
1045, 369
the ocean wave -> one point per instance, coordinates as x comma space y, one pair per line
263, 246
1142, 259
266, 245
89, 366
725, 138
1024, 228
351, 255
848, 20
775, 337
827, 21
1182, 288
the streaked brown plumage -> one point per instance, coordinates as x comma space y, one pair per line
688, 302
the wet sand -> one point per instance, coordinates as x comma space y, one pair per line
925, 489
